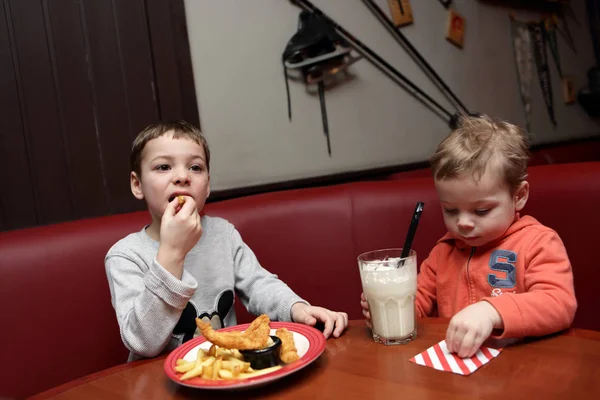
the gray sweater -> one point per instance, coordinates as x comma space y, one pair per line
157, 311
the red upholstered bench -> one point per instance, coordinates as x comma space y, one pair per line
58, 323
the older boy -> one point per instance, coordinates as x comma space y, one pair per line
184, 265
493, 270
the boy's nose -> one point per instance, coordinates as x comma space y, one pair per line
181, 176
464, 223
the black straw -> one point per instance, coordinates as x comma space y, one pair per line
412, 229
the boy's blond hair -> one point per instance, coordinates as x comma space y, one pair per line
478, 142
180, 129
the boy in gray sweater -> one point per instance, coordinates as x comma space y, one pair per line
184, 265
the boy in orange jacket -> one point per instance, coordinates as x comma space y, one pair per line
493, 270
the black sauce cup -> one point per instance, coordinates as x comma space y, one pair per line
263, 358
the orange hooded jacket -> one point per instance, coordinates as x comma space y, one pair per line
526, 275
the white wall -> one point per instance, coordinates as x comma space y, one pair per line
236, 50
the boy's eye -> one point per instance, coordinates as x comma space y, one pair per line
482, 212
450, 211
162, 167
196, 168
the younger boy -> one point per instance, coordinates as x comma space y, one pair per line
493, 270
184, 265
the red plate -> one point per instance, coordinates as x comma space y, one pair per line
309, 342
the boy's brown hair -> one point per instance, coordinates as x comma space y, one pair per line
180, 129
479, 141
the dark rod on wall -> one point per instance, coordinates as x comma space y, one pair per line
374, 58
376, 10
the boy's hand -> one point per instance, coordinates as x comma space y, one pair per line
180, 230
470, 327
365, 310
309, 315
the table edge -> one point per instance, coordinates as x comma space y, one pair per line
92, 377
577, 332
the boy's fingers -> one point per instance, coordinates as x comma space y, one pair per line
362, 297
340, 324
188, 207
466, 345
450, 338
170, 210
367, 314
477, 342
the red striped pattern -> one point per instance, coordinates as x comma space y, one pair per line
438, 357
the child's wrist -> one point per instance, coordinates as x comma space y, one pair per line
495, 316
171, 260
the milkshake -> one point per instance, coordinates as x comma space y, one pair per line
390, 288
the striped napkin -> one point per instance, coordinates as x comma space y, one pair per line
438, 357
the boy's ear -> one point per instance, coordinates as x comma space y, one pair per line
136, 186
521, 195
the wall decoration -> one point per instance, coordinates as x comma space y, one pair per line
568, 90
316, 55
522, 49
550, 33
377, 61
455, 31
420, 61
401, 12
538, 39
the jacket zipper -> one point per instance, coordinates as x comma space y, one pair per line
468, 275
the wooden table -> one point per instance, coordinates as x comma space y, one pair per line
565, 365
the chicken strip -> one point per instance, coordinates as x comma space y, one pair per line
288, 352
253, 338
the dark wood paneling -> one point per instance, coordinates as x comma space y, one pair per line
68, 46
165, 59
111, 102
184, 63
39, 107
17, 201
136, 64
80, 79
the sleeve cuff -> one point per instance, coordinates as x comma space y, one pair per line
511, 316
284, 310
173, 291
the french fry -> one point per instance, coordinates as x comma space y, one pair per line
259, 372
200, 368
234, 362
207, 372
236, 353
216, 367
212, 351
225, 374
227, 363
196, 371
185, 366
